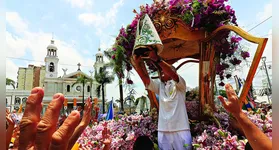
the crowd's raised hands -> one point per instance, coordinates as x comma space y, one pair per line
257, 139
10, 128
83, 123
41, 132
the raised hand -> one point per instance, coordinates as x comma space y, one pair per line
9, 131
9, 118
41, 133
233, 103
87, 114
106, 137
83, 123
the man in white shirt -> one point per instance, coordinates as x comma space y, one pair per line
173, 125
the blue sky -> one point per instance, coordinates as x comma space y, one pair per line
81, 26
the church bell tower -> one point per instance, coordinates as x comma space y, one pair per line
51, 61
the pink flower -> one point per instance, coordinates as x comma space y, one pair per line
203, 137
130, 136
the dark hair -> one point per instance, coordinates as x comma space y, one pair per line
143, 143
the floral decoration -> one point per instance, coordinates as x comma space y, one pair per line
205, 15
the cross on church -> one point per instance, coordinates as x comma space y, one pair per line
79, 66
91, 72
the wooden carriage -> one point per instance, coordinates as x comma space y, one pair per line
180, 41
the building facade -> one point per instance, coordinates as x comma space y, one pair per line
47, 78
30, 77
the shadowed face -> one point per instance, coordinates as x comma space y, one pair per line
165, 77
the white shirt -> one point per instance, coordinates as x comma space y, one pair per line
172, 110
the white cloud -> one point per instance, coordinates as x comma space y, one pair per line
81, 3
36, 43
266, 13
100, 20
16, 21
11, 70
16, 46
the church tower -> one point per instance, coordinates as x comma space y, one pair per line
99, 60
51, 61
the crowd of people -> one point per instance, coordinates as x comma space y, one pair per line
49, 132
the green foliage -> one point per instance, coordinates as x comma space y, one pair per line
10, 82
196, 6
193, 94
223, 93
187, 17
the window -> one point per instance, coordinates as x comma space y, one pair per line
17, 100
24, 100
68, 88
78, 88
88, 88
51, 67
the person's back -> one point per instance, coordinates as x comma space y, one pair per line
143, 143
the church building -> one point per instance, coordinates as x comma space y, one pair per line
47, 77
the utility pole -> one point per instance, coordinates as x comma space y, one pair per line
269, 83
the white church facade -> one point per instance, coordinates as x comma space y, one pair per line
66, 84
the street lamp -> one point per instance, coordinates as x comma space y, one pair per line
269, 83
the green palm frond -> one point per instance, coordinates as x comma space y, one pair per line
10, 82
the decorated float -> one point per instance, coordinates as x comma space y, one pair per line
205, 32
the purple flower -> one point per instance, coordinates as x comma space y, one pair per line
220, 67
113, 56
235, 39
221, 84
235, 61
114, 49
197, 19
129, 81
173, 2
245, 55
209, 10
187, 1
221, 77
228, 76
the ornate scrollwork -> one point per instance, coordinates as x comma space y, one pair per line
163, 20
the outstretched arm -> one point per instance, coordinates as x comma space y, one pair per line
141, 69
257, 139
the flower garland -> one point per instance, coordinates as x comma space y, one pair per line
206, 134
205, 15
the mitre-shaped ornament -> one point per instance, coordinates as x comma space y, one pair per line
147, 37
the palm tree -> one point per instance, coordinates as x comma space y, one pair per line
131, 102
142, 100
10, 82
103, 78
82, 79
111, 64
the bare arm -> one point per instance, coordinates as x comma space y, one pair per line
9, 134
10, 129
141, 69
257, 139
